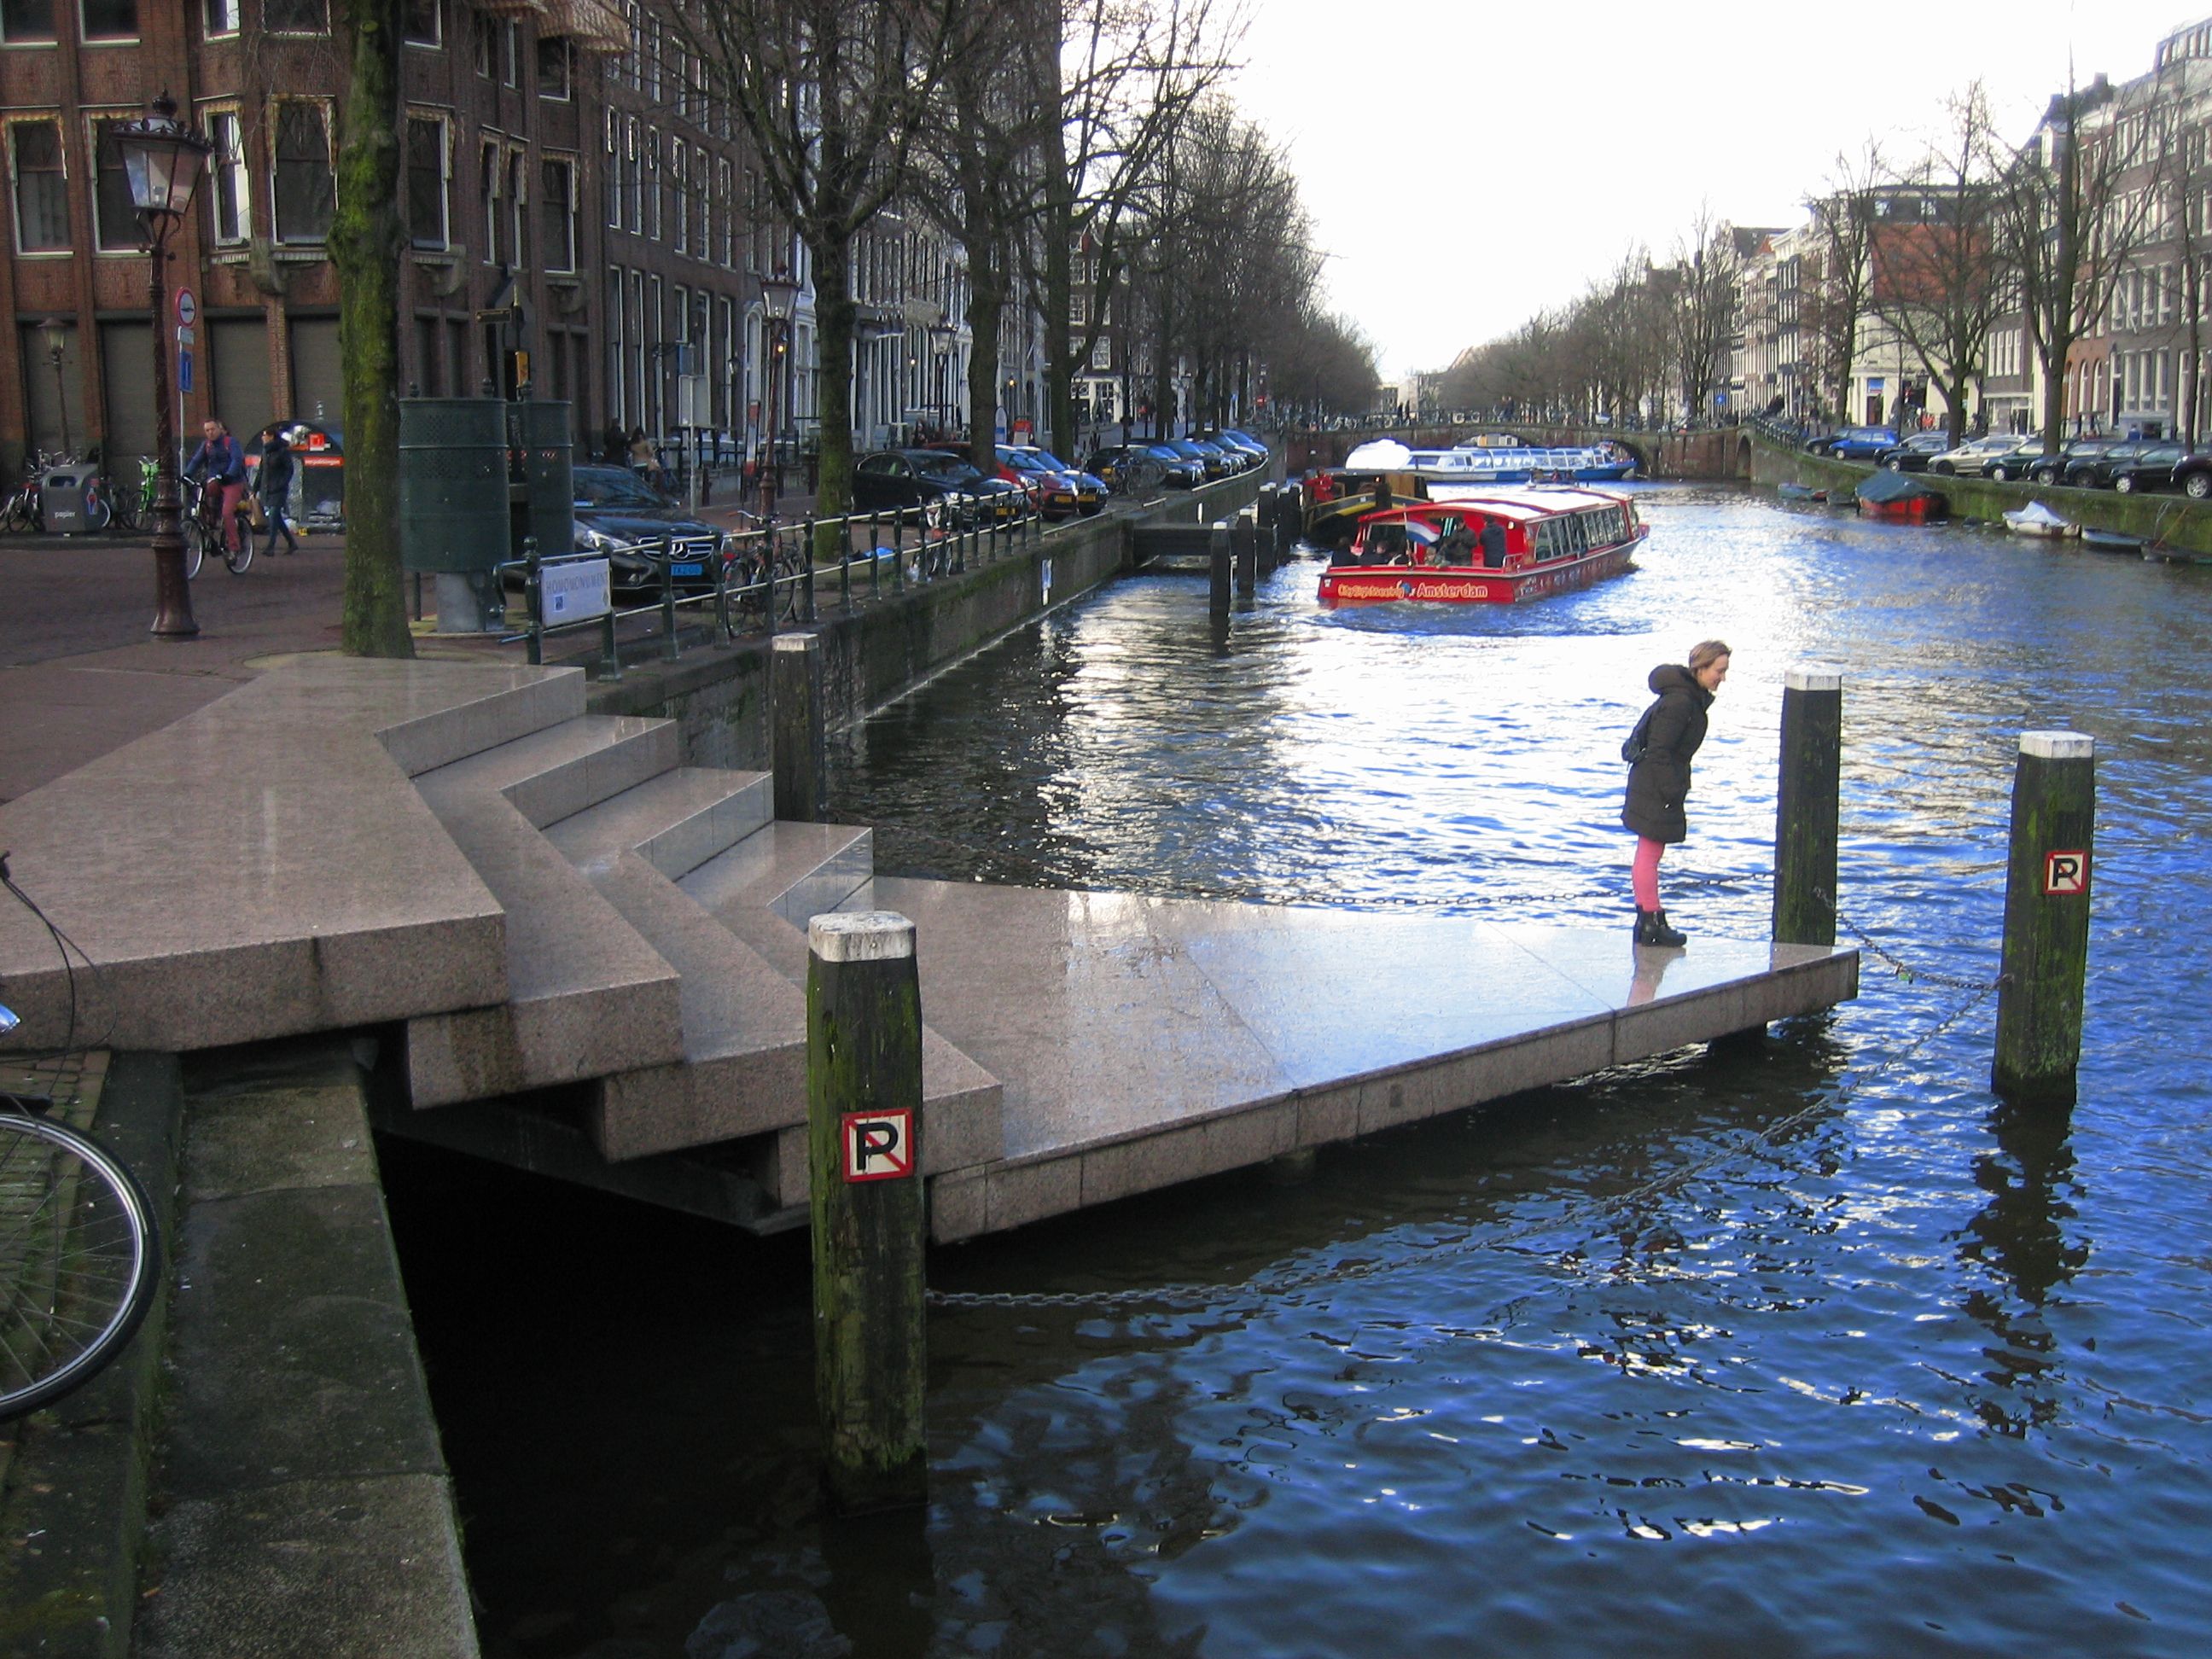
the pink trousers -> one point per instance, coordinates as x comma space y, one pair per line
1644, 874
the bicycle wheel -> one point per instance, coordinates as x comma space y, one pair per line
195, 535
236, 563
123, 508
790, 586
79, 1260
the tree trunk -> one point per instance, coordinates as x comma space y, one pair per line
986, 304
833, 357
365, 244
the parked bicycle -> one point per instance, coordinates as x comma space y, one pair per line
762, 573
130, 501
204, 529
80, 1258
24, 511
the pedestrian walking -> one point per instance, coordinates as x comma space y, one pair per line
1659, 751
614, 443
272, 488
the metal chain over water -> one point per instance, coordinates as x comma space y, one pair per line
1904, 970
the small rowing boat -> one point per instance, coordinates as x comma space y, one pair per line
2037, 520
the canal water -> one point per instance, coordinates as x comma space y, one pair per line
1799, 1347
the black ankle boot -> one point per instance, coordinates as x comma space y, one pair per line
1660, 934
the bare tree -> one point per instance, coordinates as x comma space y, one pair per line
2074, 202
1936, 272
1833, 293
832, 92
1706, 271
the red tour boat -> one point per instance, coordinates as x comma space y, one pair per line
1496, 547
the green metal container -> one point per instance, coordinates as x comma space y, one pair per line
452, 483
539, 434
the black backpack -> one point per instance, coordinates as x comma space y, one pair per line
1637, 743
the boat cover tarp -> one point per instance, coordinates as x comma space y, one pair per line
1886, 488
2035, 513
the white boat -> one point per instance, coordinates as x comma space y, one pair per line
2037, 520
1447, 473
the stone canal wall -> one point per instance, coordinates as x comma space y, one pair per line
719, 696
2173, 521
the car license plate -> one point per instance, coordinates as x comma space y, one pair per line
687, 569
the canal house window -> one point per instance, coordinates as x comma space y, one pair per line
518, 205
553, 68
560, 221
303, 195
227, 193
489, 179
297, 16
109, 19
427, 179
41, 187
421, 23
27, 19
220, 16
115, 226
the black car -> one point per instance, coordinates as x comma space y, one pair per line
2057, 468
1914, 453
1215, 464
2093, 469
1121, 463
2166, 467
639, 530
893, 478
2016, 463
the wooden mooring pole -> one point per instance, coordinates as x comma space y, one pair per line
2046, 924
799, 749
1217, 595
863, 1176
1806, 807
1246, 540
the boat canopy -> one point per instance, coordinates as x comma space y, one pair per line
1380, 455
1884, 488
2035, 513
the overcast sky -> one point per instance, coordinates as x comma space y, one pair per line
1468, 163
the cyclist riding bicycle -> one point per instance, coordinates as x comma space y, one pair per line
220, 460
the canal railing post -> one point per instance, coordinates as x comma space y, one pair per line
866, 1203
1806, 807
1217, 547
2046, 924
796, 726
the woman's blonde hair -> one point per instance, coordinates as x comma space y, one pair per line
1706, 653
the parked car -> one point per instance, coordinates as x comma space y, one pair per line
2016, 463
2094, 470
891, 479
1115, 464
639, 530
1246, 454
1971, 459
1215, 463
1859, 443
2165, 466
1914, 453
1244, 440
1089, 490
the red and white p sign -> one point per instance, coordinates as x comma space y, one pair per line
2065, 873
878, 1146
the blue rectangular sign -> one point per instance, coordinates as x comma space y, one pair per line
183, 371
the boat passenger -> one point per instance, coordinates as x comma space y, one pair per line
1659, 777
1494, 544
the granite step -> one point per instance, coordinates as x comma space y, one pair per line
454, 724
585, 995
763, 890
554, 773
674, 821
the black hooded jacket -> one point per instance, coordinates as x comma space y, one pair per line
1660, 782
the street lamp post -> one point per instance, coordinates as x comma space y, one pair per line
779, 295
53, 334
941, 336
161, 157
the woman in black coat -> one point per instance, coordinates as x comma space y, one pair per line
1659, 782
